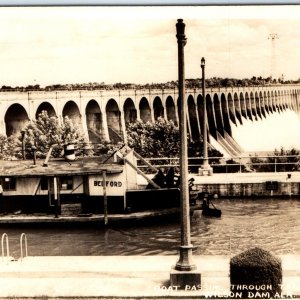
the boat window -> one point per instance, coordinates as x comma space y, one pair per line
9, 184
44, 183
66, 183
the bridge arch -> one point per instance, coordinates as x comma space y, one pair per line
273, 102
211, 117
130, 112
237, 105
158, 108
114, 125
248, 106
253, 105
266, 104
257, 104
277, 101
269, 101
296, 101
281, 100
45, 106
189, 130
171, 110
280, 96
94, 121
297, 104
225, 114
243, 106
145, 111
200, 109
16, 118
218, 115
277, 104
193, 119
262, 104
285, 99
293, 100
231, 108
71, 110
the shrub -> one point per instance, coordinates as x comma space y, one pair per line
254, 272
280, 161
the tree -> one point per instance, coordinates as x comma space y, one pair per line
3, 146
3, 141
46, 131
161, 139
7, 147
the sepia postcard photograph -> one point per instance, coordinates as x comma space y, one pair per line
150, 152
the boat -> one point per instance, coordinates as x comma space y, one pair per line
212, 212
85, 189
208, 208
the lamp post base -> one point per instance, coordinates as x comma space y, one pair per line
185, 280
185, 259
205, 170
184, 274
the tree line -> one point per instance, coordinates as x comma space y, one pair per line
214, 82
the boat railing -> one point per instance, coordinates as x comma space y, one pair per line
5, 247
4, 238
257, 163
23, 240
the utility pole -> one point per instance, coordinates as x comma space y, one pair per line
184, 273
273, 37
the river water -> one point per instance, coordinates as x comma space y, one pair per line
271, 224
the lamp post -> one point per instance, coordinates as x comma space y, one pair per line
206, 169
184, 271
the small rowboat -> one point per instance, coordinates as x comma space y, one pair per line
207, 210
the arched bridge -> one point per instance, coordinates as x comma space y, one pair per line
103, 114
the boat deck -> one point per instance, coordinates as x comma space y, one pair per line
91, 219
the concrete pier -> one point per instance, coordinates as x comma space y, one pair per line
253, 184
123, 277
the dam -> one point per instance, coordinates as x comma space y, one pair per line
103, 114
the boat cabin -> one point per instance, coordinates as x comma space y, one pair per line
85, 185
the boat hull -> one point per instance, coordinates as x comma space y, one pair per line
212, 212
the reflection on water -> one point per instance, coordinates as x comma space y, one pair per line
271, 224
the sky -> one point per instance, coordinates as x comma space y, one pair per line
58, 45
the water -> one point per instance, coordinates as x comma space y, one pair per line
271, 224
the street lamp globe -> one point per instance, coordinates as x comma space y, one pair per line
202, 62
